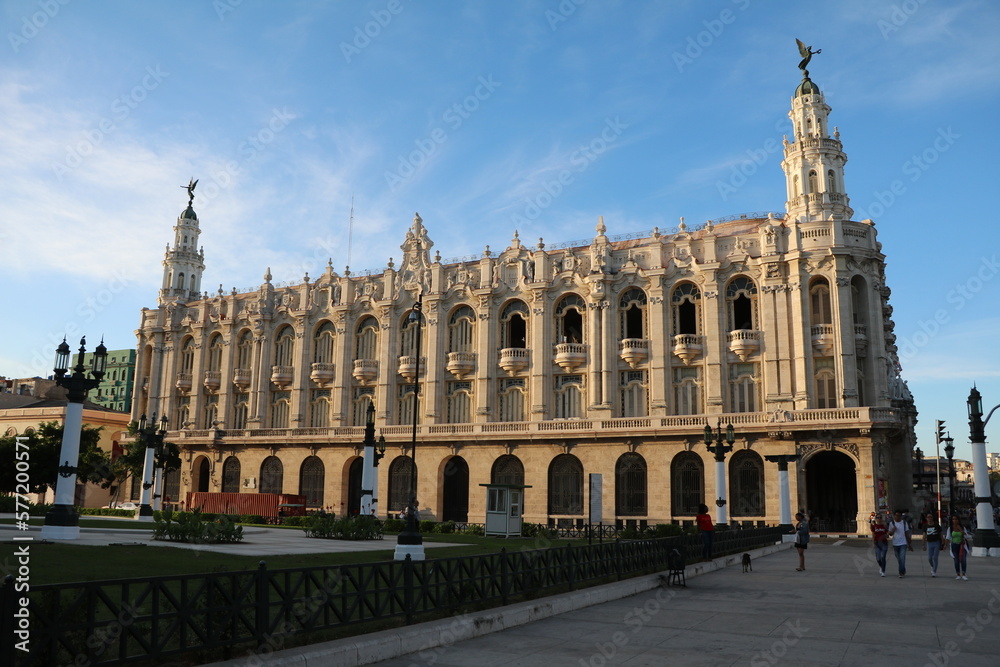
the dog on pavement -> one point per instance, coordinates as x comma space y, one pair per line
747, 567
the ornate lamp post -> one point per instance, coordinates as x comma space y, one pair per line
986, 541
716, 445
949, 451
410, 541
369, 473
62, 522
153, 439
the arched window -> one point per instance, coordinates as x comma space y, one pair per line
240, 411
631, 313
566, 485
813, 184
312, 477
231, 475
819, 302
630, 485
511, 400
507, 469
215, 353
319, 408
685, 302
633, 394
180, 280
743, 379
408, 403
460, 330
746, 484
244, 351
400, 482
409, 326
741, 297
687, 482
363, 397
280, 408
795, 186
569, 319
568, 397
211, 412
367, 339
514, 325
825, 382
187, 355
459, 402
271, 475
323, 344
284, 346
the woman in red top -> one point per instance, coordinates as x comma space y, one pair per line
880, 542
707, 531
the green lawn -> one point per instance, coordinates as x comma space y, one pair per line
65, 563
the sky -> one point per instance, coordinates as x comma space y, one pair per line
466, 113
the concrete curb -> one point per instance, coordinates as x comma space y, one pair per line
424, 637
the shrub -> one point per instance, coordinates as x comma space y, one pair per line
294, 520
358, 527
474, 529
193, 527
629, 533
252, 518
393, 525
105, 511
446, 527
667, 530
427, 526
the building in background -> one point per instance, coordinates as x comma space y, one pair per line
115, 390
542, 364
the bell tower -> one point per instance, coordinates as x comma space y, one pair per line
183, 263
814, 161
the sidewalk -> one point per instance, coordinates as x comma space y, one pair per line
837, 612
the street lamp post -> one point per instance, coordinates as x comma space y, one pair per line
410, 542
715, 444
949, 451
153, 439
369, 473
986, 542
62, 522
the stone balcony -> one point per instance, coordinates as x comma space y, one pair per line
365, 370
183, 382
408, 366
823, 339
570, 356
322, 373
634, 351
242, 377
744, 342
514, 359
688, 347
213, 380
282, 375
861, 340
461, 364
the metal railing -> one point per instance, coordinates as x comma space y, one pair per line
130, 620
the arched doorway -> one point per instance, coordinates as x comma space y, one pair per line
455, 496
354, 486
312, 476
832, 492
202, 473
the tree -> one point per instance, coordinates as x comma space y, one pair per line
44, 449
132, 460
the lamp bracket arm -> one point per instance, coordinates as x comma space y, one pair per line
987, 420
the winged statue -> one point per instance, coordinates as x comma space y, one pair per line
190, 188
807, 53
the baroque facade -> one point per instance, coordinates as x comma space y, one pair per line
542, 365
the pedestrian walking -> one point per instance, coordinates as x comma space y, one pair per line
801, 539
880, 542
707, 531
960, 543
899, 531
933, 540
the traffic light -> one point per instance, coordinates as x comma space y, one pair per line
939, 433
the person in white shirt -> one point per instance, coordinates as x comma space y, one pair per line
899, 531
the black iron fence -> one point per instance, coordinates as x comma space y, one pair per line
254, 612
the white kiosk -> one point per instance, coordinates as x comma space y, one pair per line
503, 509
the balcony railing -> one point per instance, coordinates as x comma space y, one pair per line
823, 339
461, 364
514, 359
570, 356
744, 342
634, 351
241, 377
688, 347
213, 380
322, 373
282, 375
184, 382
674, 425
365, 370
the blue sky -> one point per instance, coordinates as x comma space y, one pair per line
467, 112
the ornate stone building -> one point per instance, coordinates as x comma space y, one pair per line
541, 365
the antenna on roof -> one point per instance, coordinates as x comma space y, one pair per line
350, 232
